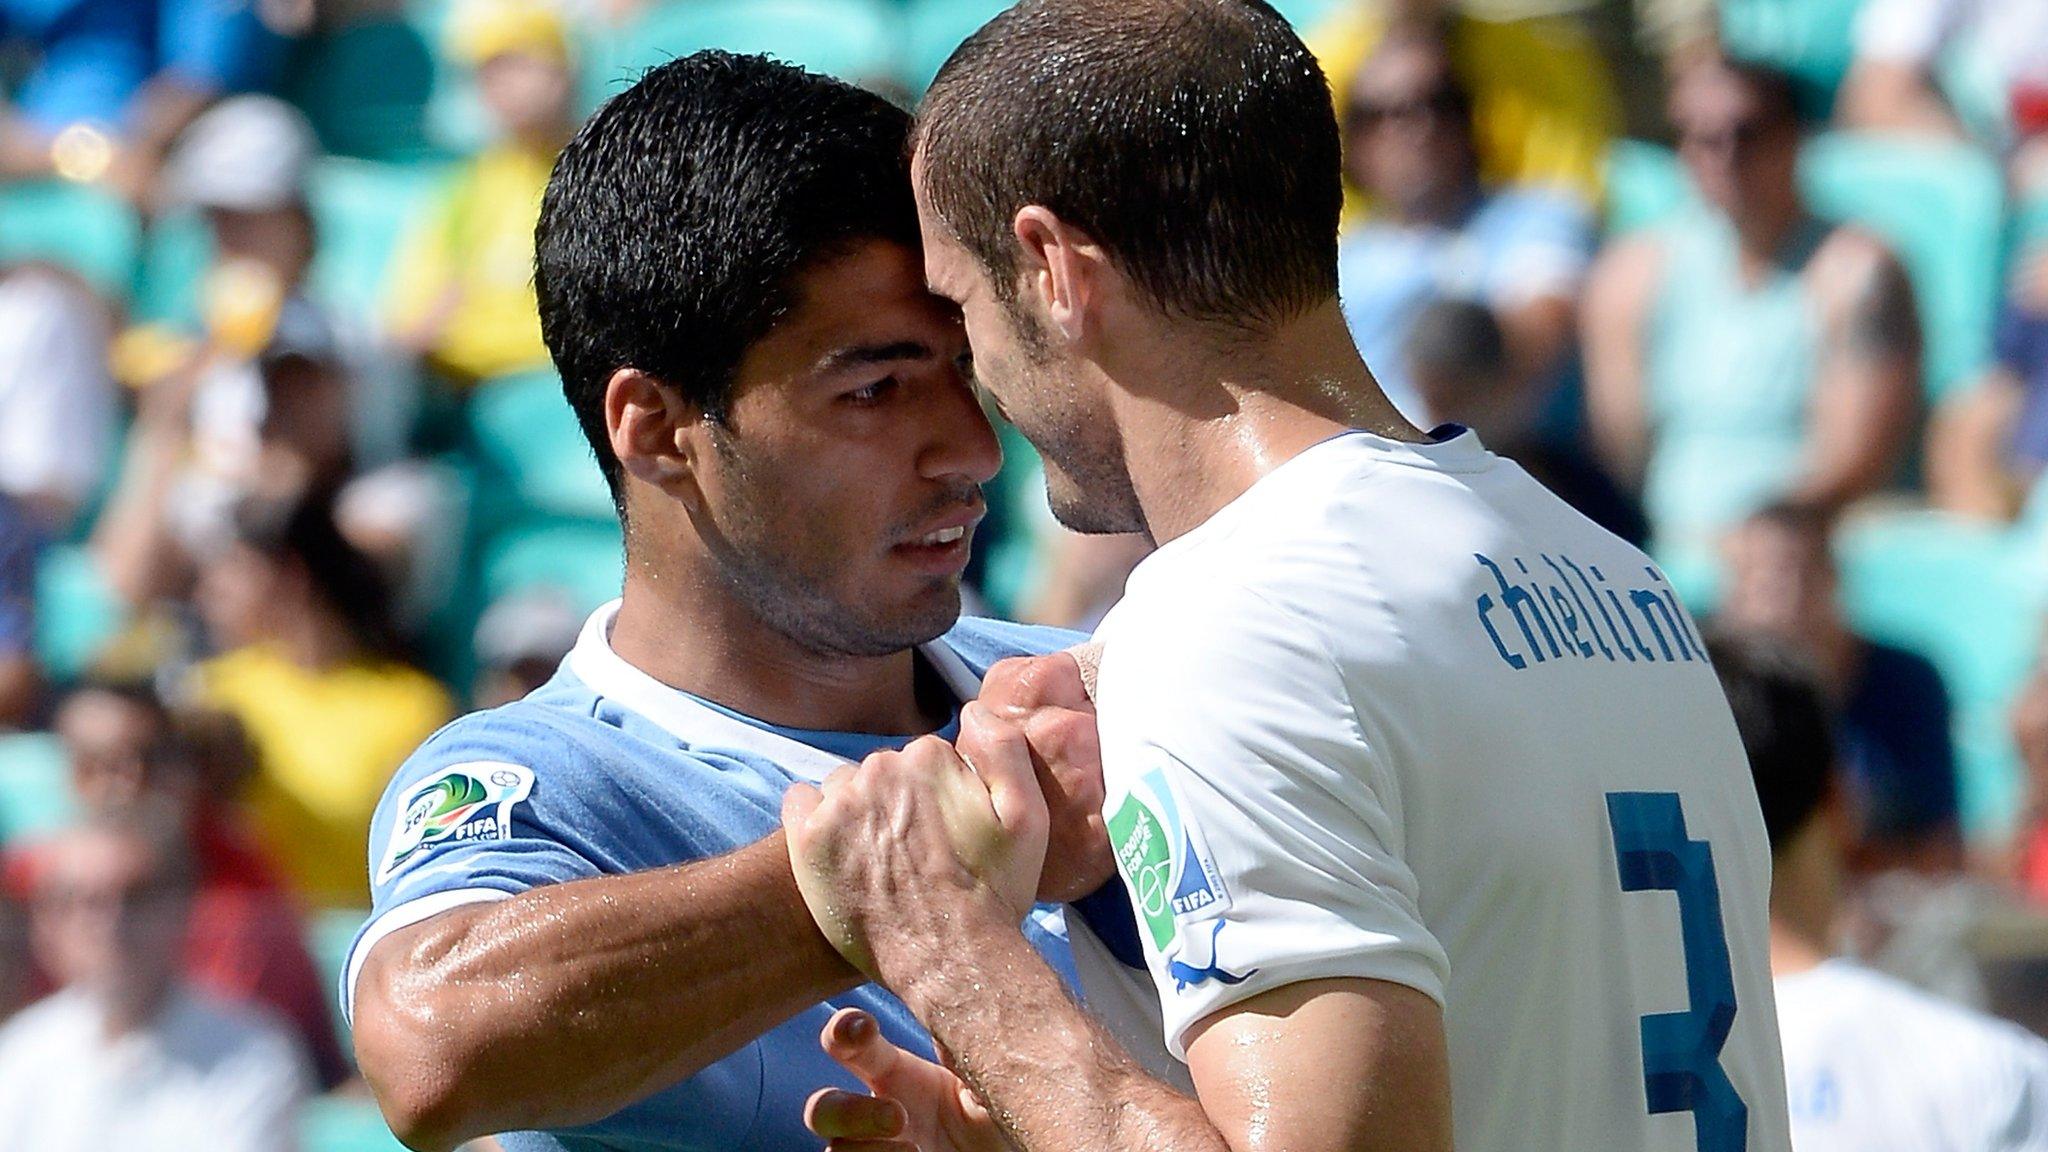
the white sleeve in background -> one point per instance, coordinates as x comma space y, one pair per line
259, 1093
1258, 835
56, 397
1908, 31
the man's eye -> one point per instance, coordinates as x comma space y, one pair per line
872, 394
964, 364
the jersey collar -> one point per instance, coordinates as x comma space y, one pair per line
695, 722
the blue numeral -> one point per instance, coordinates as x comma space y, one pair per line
1682, 1050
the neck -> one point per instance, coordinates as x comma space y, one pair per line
685, 630
314, 637
1765, 232
130, 1010
1200, 428
1803, 881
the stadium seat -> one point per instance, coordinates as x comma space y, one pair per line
362, 209
582, 558
76, 613
328, 934
936, 27
366, 87
1306, 15
1939, 205
852, 39
1812, 41
1965, 595
344, 1124
530, 451
35, 787
86, 229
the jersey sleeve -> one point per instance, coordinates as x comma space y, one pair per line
482, 811
1255, 826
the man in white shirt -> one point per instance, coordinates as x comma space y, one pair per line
1430, 804
57, 401
123, 1056
1872, 1064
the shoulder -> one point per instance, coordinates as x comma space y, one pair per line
1627, 270
982, 641
1851, 260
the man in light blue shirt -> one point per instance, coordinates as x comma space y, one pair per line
586, 934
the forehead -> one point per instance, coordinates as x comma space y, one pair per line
872, 297
1715, 95
1402, 69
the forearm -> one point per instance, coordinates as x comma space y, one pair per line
1054, 1080
566, 1003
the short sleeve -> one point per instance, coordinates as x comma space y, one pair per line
1256, 829
468, 819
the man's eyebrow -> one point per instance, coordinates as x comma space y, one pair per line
862, 354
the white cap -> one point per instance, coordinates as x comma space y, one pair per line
247, 153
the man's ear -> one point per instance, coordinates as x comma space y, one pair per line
1063, 268
654, 432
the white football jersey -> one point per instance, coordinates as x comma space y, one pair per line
1399, 713
1875, 1065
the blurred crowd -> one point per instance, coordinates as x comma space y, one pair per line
286, 481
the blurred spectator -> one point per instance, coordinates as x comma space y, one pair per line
17, 965
519, 642
1456, 355
125, 1055
407, 517
462, 281
1440, 234
1544, 107
259, 402
1871, 1064
111, 83
1084, 578
2030, 737
20, 682
1891, 709
1746, 352
57, 403
1955, 68
310, 666
244, 940
1988, 445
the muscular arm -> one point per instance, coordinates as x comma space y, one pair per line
1348, 1064
1616, 306
566, 1003
1868, 393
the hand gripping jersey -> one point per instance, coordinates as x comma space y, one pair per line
604, 771
1399, 713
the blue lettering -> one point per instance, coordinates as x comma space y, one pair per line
1583, 614
1513, 596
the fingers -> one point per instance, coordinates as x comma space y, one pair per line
836, 1114
1025, 683
996, 749
854, 1039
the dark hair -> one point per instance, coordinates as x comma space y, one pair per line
1775, 89
1786, 728
675, 223
1194, 139
303, 530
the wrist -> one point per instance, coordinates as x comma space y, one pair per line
938, 959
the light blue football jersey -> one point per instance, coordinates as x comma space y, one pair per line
605, 770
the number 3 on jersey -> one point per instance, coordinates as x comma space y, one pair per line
1682, 1050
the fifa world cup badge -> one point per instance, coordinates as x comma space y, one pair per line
467, 802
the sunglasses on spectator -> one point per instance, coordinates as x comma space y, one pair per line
1441, 104
69, 899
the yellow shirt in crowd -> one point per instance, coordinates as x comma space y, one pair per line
326, 743
478, 245
1543, 105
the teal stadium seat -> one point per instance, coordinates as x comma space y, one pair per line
367, 87
83, 228
362, 209
936, 27
1812, 41
583, 559
76, 613
1966, 595
1307, 15
1941, 207
855, 40
530, 453
344, 1124
35, 787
